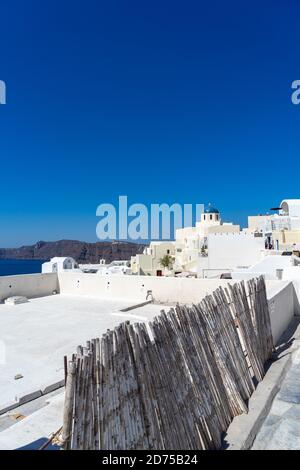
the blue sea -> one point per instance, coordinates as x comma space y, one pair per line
9, 267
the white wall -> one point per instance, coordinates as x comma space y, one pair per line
292, 273
267, 266
59, 264
281, 299
29, 285
49, 267
230, 250
164, 289
281, 294
291, 207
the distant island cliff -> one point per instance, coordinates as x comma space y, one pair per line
82, 252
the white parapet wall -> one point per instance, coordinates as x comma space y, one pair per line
281, 294
28, 285
163, 289
283, 305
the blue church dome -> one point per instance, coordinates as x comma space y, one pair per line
211, 210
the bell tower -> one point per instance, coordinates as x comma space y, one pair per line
211, 215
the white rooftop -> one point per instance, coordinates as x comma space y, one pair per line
36, 336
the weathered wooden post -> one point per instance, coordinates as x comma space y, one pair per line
68, 408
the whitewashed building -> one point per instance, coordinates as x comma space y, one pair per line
58, 264
115, 267
148, 263
281, 230
192, 242
213, 248
102, 268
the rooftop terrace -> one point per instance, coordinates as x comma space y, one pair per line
37, 335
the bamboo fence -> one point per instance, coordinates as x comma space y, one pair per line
175, 384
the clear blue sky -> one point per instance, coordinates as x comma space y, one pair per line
163, 101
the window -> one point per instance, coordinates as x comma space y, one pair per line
168, 252
210, 216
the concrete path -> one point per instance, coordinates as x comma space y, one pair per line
281, 428
33, 431
24, 411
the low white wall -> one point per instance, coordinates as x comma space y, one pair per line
281, 294
293, 274
267, 266
281, 298
164, 289
29, 285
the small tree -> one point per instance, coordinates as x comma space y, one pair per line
166, 261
